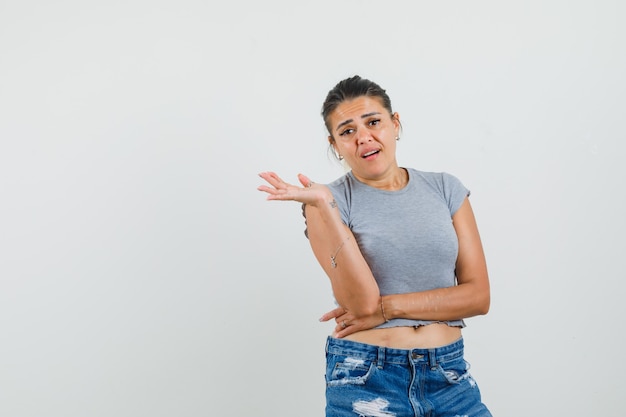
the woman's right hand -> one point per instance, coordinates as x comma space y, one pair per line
310, 193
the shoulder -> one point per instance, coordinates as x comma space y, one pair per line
439, 180
447, 186
343, 187
340, 182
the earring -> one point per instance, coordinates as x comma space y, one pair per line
397, 137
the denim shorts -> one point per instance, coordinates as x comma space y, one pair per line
373, 381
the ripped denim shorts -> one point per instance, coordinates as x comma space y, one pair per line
373, 381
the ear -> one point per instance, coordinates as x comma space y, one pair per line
331, 140
396, 122
333, 144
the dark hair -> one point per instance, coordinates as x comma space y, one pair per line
349, 89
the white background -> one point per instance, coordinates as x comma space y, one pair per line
142, 274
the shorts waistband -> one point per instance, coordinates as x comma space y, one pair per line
383, 354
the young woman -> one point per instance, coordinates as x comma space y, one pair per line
406, 264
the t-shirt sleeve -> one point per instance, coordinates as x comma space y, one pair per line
454, 192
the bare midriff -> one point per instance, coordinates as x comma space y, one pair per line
425, 337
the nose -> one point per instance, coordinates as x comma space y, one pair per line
363, 136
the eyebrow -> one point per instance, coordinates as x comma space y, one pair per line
363, 116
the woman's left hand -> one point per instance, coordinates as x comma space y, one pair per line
348, 323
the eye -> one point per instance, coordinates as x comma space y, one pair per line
346, 132
374, 122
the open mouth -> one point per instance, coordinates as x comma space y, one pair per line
370, 153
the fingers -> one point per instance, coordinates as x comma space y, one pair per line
345, 328
341, 326
277, 189
333, 314
273, 179
278, 182
344, 321
280, 186
304, 180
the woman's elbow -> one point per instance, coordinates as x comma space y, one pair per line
483, 303
364, 306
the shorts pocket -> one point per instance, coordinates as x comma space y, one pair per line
455, 371
347, 370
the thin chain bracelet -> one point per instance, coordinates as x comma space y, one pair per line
333, 263
382, 310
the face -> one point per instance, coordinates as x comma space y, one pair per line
364, 134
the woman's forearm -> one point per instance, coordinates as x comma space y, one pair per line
453, 303
335, 248
471, 297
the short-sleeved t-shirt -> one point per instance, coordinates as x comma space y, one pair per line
406, 236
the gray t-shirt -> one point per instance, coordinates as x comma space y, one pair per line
406, 236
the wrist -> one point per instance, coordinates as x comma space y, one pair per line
327, 202
383, 311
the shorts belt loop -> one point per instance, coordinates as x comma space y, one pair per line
432, 358
381, 357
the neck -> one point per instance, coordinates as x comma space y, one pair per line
394, 181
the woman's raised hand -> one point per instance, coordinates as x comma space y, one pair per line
310, 193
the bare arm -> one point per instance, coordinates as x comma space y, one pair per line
353, 284
352, 281
469, 298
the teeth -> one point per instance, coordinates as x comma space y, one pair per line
370, 153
